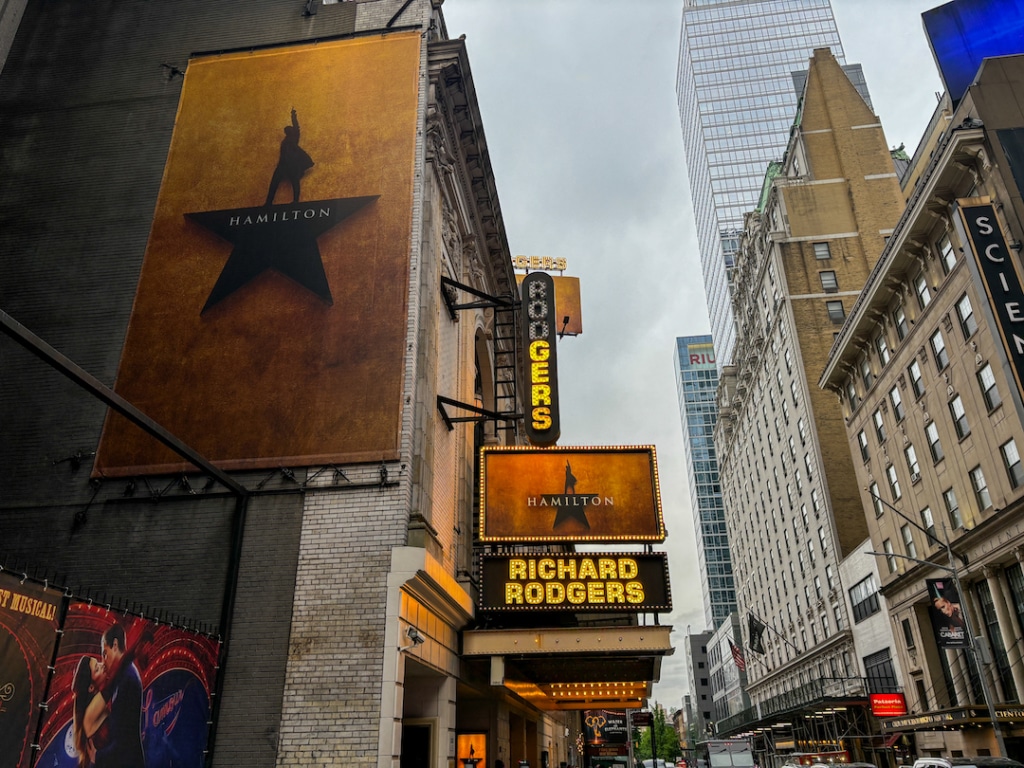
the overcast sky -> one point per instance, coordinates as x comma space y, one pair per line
579, 111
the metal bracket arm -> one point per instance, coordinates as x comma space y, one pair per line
449, 288
482, 414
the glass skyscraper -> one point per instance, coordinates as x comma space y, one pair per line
737, 101
696, 383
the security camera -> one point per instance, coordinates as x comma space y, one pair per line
413, 634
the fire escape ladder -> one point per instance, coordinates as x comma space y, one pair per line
506, 414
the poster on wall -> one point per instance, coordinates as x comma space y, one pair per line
947, 614
29, 619
128, 692
605, 726
269, 320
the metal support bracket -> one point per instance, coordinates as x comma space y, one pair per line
481, 414
449, 289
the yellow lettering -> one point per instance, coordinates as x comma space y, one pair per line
517, 569
539, 372
576, 591
513, 593
606, 566
587, 569
567, 569
595, 592
535, 262
635, 592
541, 394
546, 568
547, 262
560, 263
615, 592
540, 350
541, 418
555, 593
628, 568
535, 593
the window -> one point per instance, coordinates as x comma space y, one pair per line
894, 482
928, 521
924, 295
934, 446
956, 410
947, 255
851, 395
987, 382
912, 465
876, 417
882, 347
899, 318
1011, 460
823, 540
939, 350
908, 541
956, 520
890, 559
828, 281
815, 501
980, 487
830, 576
865, 374
897, 404
792, 391
916, 382
862, 443
864, 599
821, 251
876, 499
836, 313
880, 673
964, 311
788, 357
802, 430
908, 635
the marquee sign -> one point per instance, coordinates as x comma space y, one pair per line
605, 581
592, 494
540, 340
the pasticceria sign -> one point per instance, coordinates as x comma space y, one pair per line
540, 338
605, 581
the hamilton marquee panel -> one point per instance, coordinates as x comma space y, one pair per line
270, 316
579, 494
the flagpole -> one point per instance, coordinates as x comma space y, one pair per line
766, 625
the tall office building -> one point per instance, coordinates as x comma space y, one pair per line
737, 99
696, 383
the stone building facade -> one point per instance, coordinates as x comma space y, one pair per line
932, 405
791, 500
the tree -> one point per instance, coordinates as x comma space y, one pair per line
665, 738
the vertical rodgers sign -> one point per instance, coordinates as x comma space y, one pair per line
540, 337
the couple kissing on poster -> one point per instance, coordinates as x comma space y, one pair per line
108, 706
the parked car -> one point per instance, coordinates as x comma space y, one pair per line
978, 761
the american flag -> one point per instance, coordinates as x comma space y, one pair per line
737, 656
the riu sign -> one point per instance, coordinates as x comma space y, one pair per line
540, 335
1002, 281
